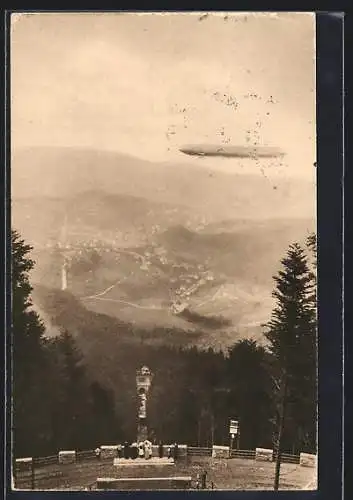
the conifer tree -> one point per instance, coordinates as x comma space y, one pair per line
250, 395
27, 328
311, 243
27, 354
71, 402
291, 333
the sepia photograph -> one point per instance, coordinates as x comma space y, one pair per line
163, 251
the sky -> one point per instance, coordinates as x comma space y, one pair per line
147, 84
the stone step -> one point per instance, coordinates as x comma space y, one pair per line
153, 467
143, 483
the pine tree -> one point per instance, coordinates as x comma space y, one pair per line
311, 243
105, 425
71, 401
27, 327
27, 354
250, 395
291, 333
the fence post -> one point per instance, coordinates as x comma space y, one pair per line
231, 445
238, 439
14, 471
32, 475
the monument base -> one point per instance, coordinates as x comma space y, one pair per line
141, 462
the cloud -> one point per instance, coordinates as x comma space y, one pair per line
151, 83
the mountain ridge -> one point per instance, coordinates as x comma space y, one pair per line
65, 171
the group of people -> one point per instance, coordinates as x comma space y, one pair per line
142, 450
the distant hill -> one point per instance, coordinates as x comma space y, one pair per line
250, 251
64, 172
154, 246
94, 215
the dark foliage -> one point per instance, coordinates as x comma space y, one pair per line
55, 403
213, 322
292, 341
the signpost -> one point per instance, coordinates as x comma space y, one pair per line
234, 431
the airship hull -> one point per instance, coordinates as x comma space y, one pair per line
232, 151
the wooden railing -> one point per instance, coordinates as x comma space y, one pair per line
194, 451
287, 458
45, 461
29, 473
249, 454
81, 456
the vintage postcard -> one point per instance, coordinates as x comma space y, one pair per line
163, 239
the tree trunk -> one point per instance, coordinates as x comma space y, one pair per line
280, 430
212, 430
199, 432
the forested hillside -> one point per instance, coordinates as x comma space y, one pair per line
77, 389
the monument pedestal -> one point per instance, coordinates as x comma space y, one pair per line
142, 432
142, 462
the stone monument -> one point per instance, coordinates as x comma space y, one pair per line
143, 384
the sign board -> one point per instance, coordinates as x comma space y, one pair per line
234, 427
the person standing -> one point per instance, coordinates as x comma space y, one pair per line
119, 451
148, 449
160, 449
97, 452
175, 451
134, 451
126, 449
203, 480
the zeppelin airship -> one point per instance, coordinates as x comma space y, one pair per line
232, 151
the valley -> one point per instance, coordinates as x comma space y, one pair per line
155, 247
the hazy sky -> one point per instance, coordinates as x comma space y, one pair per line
148, 84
